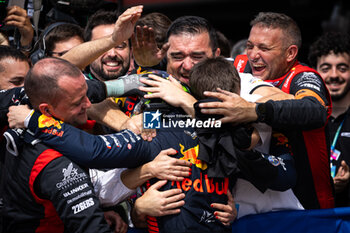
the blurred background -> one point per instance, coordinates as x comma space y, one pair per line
231, 17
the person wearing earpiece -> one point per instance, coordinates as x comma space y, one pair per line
56, 40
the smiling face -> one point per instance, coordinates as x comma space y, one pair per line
335, 71
267, 53
185, 51
71, 100
113, 63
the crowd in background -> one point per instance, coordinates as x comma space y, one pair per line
282, 143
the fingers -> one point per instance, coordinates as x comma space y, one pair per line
146, 34
16, 10
175, 201
148, 134
183, 163
159, 184
164, 48
223, 219
153, 95
226, 92
211, 105
139, 36
227, 213
120, 226
150, 82
169, 151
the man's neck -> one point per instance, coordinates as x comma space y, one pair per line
340, 106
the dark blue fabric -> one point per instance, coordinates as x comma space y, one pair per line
335, 220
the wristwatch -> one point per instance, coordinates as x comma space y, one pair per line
260, 110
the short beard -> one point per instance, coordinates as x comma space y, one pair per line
341, 95
100, 74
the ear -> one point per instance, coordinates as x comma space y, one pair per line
45, 109
292, 53
217, 52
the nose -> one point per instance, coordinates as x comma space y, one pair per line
253, 54
112, 52
187, 63
334, 72
87, 103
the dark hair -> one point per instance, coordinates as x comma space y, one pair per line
224, 44
10, 52
336, 42
213, 73
100, 17
41, 82
160, 24
239, 47
61, 33
278, 20
193, 25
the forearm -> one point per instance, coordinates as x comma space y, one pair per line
187, 103
84, 54
305, 114
108, 113
137, 217
133, 178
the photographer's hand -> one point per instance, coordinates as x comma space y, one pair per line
17, 16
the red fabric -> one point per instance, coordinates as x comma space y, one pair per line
51, 221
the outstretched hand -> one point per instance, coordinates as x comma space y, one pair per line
169, 90
234, 108
160, 203
168, 168
145, 49
124, 26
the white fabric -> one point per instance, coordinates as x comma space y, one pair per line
251, 201
108, 186
248, 198
249, 83
263, 129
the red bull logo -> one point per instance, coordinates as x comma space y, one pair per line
218, 187
46, 122
191, 156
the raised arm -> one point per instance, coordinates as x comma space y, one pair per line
84, 54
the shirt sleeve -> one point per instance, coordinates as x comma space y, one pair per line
119, 150
266, 171
69, 189
109, 187
249, 83
309, 84
96, 90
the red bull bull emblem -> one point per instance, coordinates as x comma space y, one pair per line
191, 156
46, 122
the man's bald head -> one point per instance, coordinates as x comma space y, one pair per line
41, 83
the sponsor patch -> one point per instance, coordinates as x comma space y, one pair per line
70, 177
83, 205
307, 92
46, 122
273, 160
